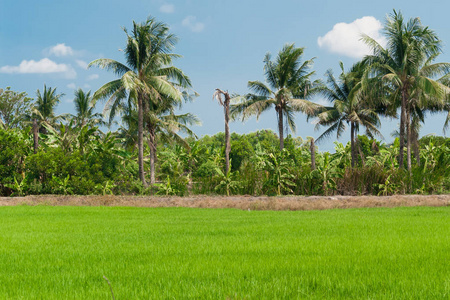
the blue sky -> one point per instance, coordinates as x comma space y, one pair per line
223, 44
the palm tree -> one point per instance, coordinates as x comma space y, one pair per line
289, 84
84, 107
226, 108
410, 46
164, 125
350, 105
148, 76
43, 112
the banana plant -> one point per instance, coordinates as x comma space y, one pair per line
279, 174
388, 187
227, 183
328, 171
64, 136
386, 158
17, 187
61, 186
342, 154
166, 188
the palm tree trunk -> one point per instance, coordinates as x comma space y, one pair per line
35, 136
361, 154
227, 134
408, 139
152, 145
280, 128
402, 128
415, 142
313, 154
226, 108
141, 140
352, 143
152, 167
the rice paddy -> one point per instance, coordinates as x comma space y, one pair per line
63, 252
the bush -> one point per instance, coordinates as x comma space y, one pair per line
13, 149
58, 172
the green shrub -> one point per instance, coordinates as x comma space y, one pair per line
13, 149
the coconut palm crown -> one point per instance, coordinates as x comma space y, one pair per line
44, 107
288, 86
84, 107
351, 105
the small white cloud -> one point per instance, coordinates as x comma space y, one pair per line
192, 23
167, 8
72, 86
86, 86
345, 38
68, 100
92, 77
61, 50
82, 64
43, 66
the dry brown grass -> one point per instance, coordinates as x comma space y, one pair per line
238, 202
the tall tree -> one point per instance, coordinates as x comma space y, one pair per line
43, 112
45, 106
85, 109
289, 85
351, 105
148, 77
226, 108
167, 126
14, 107
410, 45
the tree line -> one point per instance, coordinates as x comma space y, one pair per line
46, 153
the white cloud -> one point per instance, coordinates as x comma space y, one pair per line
82, 64
92, 77
192, 23
72, 86
61, 50
167, 8
43, 66
345, 38
86, 86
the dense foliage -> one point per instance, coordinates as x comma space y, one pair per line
73, 160
41, 152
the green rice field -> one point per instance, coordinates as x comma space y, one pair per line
61, 252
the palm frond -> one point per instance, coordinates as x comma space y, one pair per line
110, 65
305, 106
259, 88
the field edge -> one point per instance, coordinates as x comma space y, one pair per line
237, 202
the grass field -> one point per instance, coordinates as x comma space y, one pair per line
176, 253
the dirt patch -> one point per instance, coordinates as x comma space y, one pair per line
238, 202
